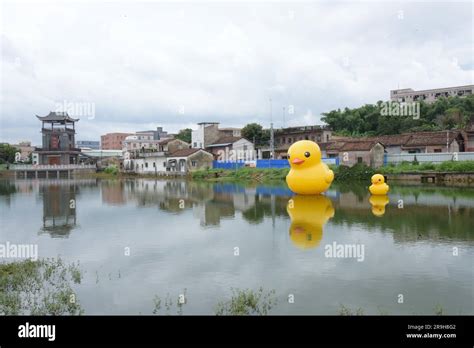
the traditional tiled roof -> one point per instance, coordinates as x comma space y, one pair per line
184, 152
225, 141
359, 145
431, 138
57, 117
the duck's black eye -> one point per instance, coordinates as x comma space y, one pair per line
307, 154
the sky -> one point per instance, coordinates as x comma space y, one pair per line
125, 66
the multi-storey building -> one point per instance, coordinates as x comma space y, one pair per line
113, 141
430, 95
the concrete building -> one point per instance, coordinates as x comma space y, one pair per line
113, 141
209, 132
171, 145
232, 149
25, 150
431, 142
189, 160
58, 133
285, 137
430, 95
88, 144
368, 152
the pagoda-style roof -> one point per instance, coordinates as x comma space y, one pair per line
57, 117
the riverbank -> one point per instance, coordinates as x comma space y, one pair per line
443, 173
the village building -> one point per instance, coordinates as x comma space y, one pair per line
189, 160
232, 149
171, 145
369, 152
113, 141
468, 134
58, 143
209, 132
434, 142
25, 150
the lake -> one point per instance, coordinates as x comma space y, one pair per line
141, 238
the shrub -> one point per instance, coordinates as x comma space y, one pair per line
111, 170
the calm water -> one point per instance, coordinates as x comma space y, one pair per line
184, 235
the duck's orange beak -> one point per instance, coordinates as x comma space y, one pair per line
297, 161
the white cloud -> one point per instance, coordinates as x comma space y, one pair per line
141, 62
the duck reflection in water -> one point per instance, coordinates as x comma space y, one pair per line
378, 203
308, 215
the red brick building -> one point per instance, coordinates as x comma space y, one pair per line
113, 141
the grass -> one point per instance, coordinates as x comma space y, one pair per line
242, 174
448, 166
41, 287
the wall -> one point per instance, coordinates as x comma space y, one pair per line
202, 160
430, 157
160, 163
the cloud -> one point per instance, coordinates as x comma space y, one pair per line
141, 63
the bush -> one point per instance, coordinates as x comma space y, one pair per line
359, 172
111, 170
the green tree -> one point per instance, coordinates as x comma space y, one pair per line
185, 135
255, 133
7, 153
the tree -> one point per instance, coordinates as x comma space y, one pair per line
254, 133
7, 153
185, 135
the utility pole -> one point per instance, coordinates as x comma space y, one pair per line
272, 143
283, 117
447, 141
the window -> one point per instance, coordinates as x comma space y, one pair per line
437, 150
146, 164
319, 138
306, 137
327, 137
195, 145
154, 165
193, 163
245, 147
164, 164
359, 159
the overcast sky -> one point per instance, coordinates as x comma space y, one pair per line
148, 64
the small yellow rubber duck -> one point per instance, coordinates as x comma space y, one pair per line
378, 203
308, 215
378, 187
308, 175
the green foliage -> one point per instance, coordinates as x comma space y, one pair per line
111, 170
168, 304
343, 310
448, 166
247, 302
40, 287
444, 113
256, 134
185, 135
242, 174
359, 171
7, 153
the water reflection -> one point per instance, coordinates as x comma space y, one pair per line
378, 204
308, 216
59, 209
415, 212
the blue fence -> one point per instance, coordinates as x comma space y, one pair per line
268, 163
227, 165
265, 163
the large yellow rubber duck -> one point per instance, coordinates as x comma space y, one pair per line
308, 215
378, 187
308, 175
378, 203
